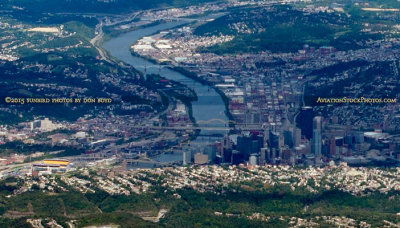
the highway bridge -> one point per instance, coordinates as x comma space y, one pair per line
149, 161
210, 125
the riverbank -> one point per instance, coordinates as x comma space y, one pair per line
145, 57
196, 78
110, 34
208, 106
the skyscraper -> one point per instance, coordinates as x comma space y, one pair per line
281, 141
226, 142
273, 139
288, 137
304, 121
211, 151
244, 145
359, 137
332, 146
316, 145
200, 158
266, 137
187, 156
296, 136
253, 159
264, 154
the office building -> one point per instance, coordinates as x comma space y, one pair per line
187, 157
316, 141
200, 159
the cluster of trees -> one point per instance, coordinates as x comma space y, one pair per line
284, 29
195, 209
367, 75
97, 6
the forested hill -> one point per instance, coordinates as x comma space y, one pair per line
93, 6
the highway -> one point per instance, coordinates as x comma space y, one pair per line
96, 41
249, 127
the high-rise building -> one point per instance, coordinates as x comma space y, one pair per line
273, 155
47, 125
296, 136
260, 139
254, 147
349, 151
227, 155
339, 141
288, 136
266, 136
267, 154
43, 125
348, 139
226, 143
200, 159
286, 154
316, 146
264, 153
187, 157
236, 157
359, 137
281, 142
253, 159
273, 127
305, 120
211, 151
273, 139
332, 146
244, 145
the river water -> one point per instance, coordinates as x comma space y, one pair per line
209, 104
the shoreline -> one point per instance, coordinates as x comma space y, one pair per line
108, 36
194, 77
184, 72
191, 75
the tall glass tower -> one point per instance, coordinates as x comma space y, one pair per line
316, 142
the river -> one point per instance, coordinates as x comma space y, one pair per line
209, 104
